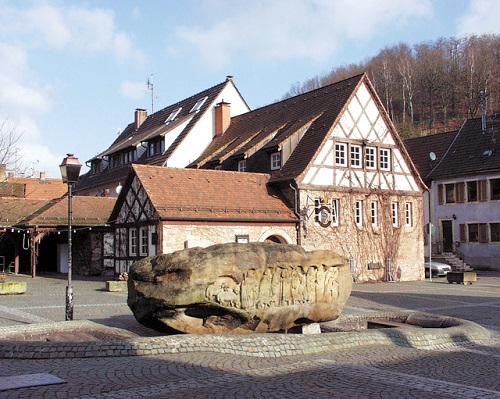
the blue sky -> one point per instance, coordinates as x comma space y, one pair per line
73, 72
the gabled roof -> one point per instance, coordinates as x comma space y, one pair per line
472, 152
316, 110
208, 195
420, 149
155, 126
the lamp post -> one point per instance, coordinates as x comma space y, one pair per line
70, 169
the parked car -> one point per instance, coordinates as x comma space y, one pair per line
438, 268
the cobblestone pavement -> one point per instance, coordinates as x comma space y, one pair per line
462, 370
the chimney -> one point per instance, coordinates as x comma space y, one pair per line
140, 116
3, 171
222, 117
43, 177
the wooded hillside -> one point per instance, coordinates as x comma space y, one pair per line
431, 86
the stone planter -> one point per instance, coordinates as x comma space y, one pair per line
12, 288
116, 286
461, 277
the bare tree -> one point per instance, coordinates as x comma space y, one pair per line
10, 152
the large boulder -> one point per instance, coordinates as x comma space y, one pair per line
238, 288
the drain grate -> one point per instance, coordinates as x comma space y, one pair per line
28, 380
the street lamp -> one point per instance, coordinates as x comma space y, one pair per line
70, 169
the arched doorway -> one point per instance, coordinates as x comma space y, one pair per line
275, 238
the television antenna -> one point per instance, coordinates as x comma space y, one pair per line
151, 89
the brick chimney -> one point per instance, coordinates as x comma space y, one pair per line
222, 117
140, 116
43, 177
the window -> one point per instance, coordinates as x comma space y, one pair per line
173, 115
340, 154
440, 189
370, 158
473, 229
450, 193
495, 189
242, 165
408, 214
335, 212
242, 238
472, 191
156, 147
96, 167
143, 237
359, 213
355, 156
495, 232
275, 160
198, 104
218, 167
374, 213
132, 242
385, 159
395, 210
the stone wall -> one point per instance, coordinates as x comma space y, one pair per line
188, 235
369, 246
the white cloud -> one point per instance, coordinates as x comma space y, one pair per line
480, 17
133, 90
287, 29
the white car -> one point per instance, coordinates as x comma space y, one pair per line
438, 268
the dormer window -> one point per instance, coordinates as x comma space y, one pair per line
198, 105
242, 165
275, 160
156, 147
96, 167
173, 115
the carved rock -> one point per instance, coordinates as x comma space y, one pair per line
238, 288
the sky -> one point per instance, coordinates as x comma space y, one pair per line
73, 72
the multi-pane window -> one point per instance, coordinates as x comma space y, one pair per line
143, 239
495, 189
472, 195
371, 158
408, 214
356, 156
374, 213
242, 165
156, 147
275, 160
132, 242
395, 211
341, 154
385, 159
359, 213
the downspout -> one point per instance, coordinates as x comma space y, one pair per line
299, 235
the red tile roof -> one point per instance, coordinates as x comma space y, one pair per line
33, 188
14, 210
208, 195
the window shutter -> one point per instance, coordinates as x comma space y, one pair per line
460, 191
482, 190
483, 232
463, 236
440, 194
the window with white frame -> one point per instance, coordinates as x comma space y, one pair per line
374, 213
408, 214
242, 165
356, 156
395, 211
275, 160
385, 159
359, 213
370, 158
173, 115
143, 240
340, 154
132, 241
198, 104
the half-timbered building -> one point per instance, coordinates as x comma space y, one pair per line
335, 155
